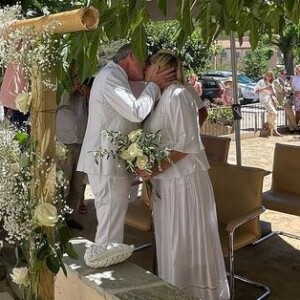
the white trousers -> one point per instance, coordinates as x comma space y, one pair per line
111, 202
267, 103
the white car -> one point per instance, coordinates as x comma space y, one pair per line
246, 85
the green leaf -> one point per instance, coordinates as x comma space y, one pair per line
163, 6
71, 252
292, 10
181, 39
139, 42
64, 235
24, 161
185, 17
62, 265
122, 25
138, 19
135, 6
254, 34
105, 15
233, 8
21, 138
53, 263
43, 251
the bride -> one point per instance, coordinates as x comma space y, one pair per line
189, 253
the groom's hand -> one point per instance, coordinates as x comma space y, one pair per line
161, 78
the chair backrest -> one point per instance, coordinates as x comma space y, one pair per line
237, 191
216, 147
286, 168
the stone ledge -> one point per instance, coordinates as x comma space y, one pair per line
6, 296
122, 281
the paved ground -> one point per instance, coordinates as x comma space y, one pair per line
275, 262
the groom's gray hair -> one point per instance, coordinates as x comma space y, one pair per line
122, 53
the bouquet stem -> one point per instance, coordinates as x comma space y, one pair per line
149, 193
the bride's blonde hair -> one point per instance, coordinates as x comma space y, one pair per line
166, 59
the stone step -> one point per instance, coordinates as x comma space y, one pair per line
121, 281
6, 296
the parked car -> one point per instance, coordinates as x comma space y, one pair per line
212, 90
246, 84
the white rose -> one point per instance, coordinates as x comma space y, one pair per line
141, 162
15, 168
23, 102
20, 276
45, 214
135, 150
125, 155
60, 150
134, 135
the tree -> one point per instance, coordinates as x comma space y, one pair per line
127, 19
256, 62
288, 39
195, 53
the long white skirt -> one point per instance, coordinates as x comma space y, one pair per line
189, 253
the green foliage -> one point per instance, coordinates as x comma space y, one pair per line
163, 35
255, 63
128, 19
222, 116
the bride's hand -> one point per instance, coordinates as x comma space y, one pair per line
146, 176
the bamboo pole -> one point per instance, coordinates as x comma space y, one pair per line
69, 21
42, 116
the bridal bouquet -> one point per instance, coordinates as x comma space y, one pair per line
137, 150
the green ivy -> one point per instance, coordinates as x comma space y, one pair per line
222, 116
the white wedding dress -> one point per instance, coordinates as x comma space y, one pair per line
189, 252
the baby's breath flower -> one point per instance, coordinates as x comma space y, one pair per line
26, 47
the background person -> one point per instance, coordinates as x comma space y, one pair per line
296, 90
283, 89
71, 122
266, 93
112, 106
193, 81
189, 253
228, 92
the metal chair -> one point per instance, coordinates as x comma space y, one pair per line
284, 195
238, 199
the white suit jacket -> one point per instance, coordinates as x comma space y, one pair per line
112, 106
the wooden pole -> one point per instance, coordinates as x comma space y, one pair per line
68, 21
43, 118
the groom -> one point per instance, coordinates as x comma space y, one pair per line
112, 106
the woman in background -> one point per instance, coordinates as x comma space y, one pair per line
189, 253
193, 81
267, 98
296, 90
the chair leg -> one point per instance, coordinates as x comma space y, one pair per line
138, 248
257, 284
265, 237
231, 267
232, 276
